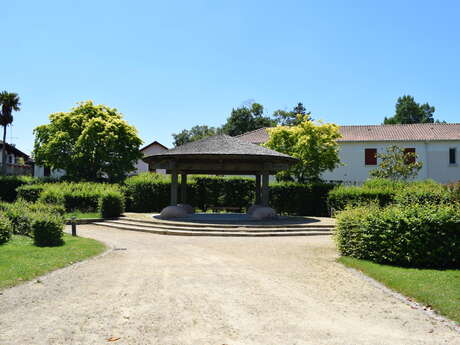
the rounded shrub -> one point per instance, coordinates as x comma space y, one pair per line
47, 229
5, 229
111, 204
30, 193
422, 235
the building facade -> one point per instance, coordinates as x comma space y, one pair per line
437, 146
149, 150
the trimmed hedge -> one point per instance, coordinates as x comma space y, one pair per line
30, 193
151, 193
47, 230
422, 235
9, 184
111, 204
5, 229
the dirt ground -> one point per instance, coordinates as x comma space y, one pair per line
165, 290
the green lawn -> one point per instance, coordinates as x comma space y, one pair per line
20, 260
438, 288
82, 215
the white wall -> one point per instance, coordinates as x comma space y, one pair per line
39, 171
434, 155
141, 166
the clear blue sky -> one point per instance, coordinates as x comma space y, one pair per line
170, 65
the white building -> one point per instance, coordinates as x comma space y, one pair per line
436, 145
149, 150
17, 162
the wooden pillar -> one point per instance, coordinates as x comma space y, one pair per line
174, 187
265, 191
257, 189
183, 188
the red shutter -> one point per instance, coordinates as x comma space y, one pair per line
370, 156
411, 159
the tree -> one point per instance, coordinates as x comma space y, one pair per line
91, 143
9, 101
246, 119
289, 118
195, 133
408, 111
397, 164
314, 144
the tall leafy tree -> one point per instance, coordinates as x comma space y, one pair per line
314, 144
247, 118
290, 118
9, 102
193, 134
91, 142
409, 111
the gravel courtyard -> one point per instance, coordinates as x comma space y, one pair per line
166, 290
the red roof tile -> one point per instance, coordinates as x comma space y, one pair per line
412, 132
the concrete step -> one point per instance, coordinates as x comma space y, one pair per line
213, 228
225, 225
210, 233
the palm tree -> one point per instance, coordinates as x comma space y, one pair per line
9, 101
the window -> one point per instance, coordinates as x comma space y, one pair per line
11, 159
410, 159
453, 156
370, 156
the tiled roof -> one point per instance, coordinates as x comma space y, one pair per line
412, 132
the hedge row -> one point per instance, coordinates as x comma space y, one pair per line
422, 235
44, 223
385, 192
151, 193
9, 184
84, 196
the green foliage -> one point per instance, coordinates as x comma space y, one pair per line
5, 229
314, 144
290, 118
147, 192
151, 193
9, 184
90, 142
30, 192
47, 230
408, 111
420, 235
300, 199
396, 164
9, 101
342, 196
111, 204
194, 134
246, 119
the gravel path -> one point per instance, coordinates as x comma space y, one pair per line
196, 290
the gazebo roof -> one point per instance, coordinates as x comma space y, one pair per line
221, 154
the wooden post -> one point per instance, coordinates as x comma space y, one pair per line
265, 191
183, 188
257, 189
174, 187
74, 226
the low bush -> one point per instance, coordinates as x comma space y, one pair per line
30, 193
342, 196
9, 184
147, 192
47, 230
5, 229
111, 204
423, 235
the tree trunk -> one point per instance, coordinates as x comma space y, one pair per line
4, 152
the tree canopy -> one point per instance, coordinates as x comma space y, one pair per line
409, 111
314, 144
9, 102
193, 134
247, 118
290, 118
91, 142
397, 164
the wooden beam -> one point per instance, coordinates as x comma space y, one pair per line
174, 187
265, 191
257, 189
183, 188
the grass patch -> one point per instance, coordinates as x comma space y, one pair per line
20, 260
437, 288
82, 215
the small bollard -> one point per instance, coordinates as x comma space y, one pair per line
74, 226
